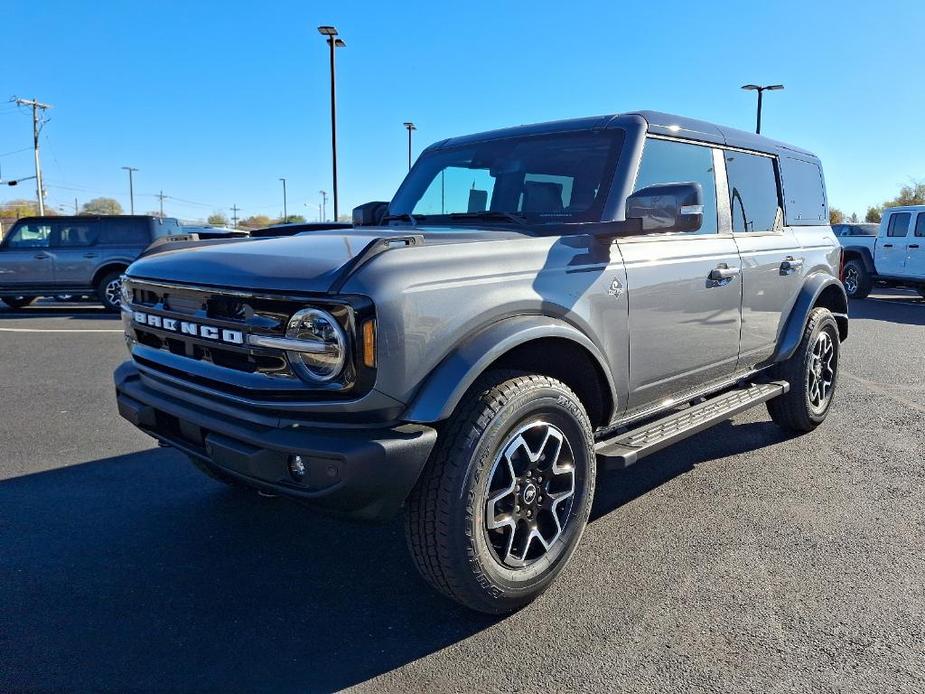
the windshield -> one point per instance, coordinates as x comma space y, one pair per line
539, 179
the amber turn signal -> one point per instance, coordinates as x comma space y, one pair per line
369, 343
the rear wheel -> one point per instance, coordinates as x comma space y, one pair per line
18, 301
812, 372
109, 291
506, 494
857, 280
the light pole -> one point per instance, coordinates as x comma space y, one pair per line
334, 43
285, 210
131, 188
409, 126
761, 90
324, 206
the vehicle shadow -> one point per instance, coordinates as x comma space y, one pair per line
618, 487
906, 310
58, 310
139, 572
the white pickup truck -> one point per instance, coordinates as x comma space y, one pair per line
895, 257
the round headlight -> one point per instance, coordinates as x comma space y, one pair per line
326, 345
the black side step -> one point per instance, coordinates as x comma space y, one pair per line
625, 449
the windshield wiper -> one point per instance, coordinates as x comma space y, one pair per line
404, 217
490, 214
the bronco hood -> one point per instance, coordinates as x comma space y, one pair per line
309, 262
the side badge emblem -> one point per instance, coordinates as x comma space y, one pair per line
616, 288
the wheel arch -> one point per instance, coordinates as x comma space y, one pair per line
103, 270
863, 254
539, 344
819, 289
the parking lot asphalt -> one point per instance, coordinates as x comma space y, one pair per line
739, 560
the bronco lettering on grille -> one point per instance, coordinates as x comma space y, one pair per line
208, 332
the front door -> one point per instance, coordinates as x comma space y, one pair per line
683, 289
25, 257
892, 248
915, 250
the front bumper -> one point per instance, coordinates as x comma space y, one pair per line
360, 472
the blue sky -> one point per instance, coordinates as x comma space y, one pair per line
213, 102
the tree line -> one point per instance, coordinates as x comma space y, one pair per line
14, 209
912, 194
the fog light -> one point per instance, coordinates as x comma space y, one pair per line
297, 468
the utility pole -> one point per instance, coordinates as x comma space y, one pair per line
410, 126
161, 196
131, 188
285, 211
334, 42
75, 206
234, 215
324, 206
36, 129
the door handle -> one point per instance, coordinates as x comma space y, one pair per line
41, 256
91, 255
913, 245
791, 265
888, 245
723, 273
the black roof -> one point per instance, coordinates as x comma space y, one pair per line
84, 217
654, 122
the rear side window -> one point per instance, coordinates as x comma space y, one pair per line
899, 224
753, 197
920, 225
124, 232
804, 192
76, 234
665, 161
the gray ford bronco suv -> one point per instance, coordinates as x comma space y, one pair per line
534, 303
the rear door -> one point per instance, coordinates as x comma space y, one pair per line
772, 262
892, 247
123, 238
25, 256
683, 325
915, 249
76, 254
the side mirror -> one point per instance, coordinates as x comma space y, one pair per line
667, 207
370, 214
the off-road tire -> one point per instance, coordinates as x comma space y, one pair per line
446, 512
793, 410
864, 283
104, 291
219, 476
18, 301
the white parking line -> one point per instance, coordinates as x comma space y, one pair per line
58, 330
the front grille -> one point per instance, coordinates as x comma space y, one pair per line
235, 369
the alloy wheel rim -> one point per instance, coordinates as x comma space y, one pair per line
114, 292
530, 493
851, 280
822, 365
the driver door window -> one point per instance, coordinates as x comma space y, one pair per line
37, 235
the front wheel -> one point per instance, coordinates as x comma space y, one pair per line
109, 291
18, 301
506, 493
812, 372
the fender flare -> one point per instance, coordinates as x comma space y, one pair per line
813, 287
865, 255
450, 380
